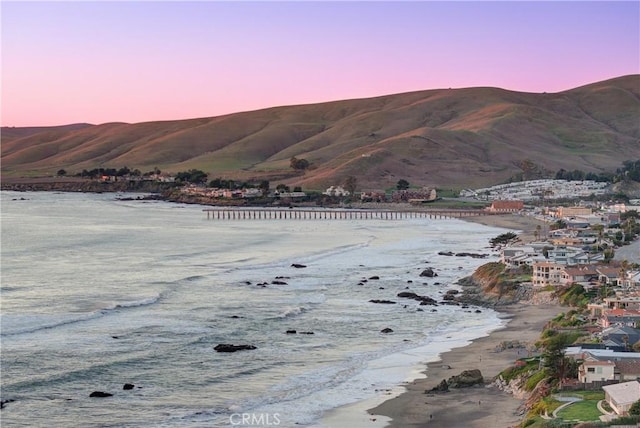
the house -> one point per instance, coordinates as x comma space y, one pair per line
373, 196
505, 206
426, 194
627, 370
608, 275
578, 274
592, 370
621, 396
508, 253
623, 336
571, 212
620, 317
622, 301
631, 280
547, 273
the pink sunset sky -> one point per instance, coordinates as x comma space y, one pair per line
119, 61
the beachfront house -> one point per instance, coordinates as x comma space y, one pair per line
592, 370
621, 396
516, 256
584, 275
547, 273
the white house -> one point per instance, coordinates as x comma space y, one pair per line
621, 396
594, 370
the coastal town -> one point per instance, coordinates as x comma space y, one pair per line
583, 255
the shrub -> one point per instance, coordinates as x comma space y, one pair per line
533, 380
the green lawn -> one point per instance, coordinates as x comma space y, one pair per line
586, 410
581, 411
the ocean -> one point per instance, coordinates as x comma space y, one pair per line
99, 292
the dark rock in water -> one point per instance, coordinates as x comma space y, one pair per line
307, 332
3, 402
472, 255
478, 311
388, 302
283, 277
225, 347
428, 272
452, 292
466, 379
291, 332
298, 266
445, 253
386, 330
100, 394
128, 386
374, 277
114, 337
441, 387
424, 300
410, 281
278, 283
248, 282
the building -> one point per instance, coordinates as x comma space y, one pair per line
585, 275
426, 194
336, 191
499, 206
569, 212
621, 396
547, 273
592, 370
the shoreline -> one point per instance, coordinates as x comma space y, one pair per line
479, 406
475, 407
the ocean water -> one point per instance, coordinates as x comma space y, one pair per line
97, 292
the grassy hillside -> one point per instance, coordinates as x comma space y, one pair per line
445, 138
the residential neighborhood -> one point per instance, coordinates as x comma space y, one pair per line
597, 340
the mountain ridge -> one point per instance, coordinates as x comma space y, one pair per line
448, 138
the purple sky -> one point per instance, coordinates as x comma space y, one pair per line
69, 62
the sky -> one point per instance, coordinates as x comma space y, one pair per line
124, 61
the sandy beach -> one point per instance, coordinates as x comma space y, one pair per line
481, 406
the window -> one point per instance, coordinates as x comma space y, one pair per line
591, 370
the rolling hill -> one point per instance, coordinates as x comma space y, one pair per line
449, 138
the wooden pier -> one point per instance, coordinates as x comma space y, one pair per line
335, 214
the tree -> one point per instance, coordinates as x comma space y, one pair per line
61, 172
635, 409
192, 176
350, 184
299, 164
264, 186
555, 361
402, 184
